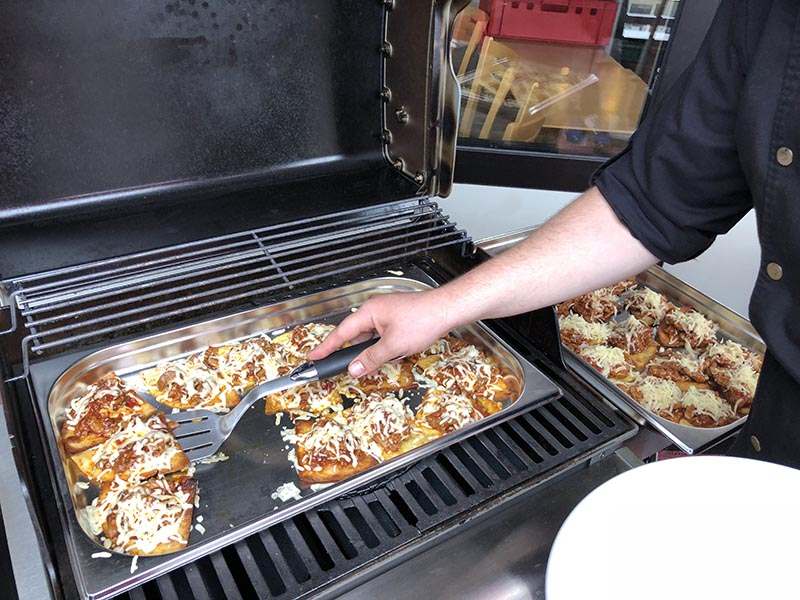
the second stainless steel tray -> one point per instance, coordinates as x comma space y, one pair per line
731, 326
235, 495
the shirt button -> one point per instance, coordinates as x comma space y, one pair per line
785, 156
775, 271
755, 443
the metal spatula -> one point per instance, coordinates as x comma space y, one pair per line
202, 432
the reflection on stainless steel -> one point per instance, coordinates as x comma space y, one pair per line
496, 244
236, 495
731, 326
500, 554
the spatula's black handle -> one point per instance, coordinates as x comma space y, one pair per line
337, 362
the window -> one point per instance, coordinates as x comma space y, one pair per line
558, 76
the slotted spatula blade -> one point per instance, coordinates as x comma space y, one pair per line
201, 433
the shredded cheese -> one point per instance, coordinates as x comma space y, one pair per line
464, 371
744, 379
707, 402
101, 555
596, 333
456, 410
659, 395
695, 323
286, 491
151, 443
649, 302
605, 357
145, 515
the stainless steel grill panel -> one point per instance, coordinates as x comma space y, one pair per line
74, 305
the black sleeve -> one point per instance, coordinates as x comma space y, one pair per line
679, 183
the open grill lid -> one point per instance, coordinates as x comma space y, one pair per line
151, 123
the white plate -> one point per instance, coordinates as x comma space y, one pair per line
702, 527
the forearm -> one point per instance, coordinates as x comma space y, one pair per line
582, 248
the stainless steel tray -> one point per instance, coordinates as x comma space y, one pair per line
731, 326
235, 495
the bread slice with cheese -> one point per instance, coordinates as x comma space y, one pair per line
191, 383
99, 413
143, 448
384, 426
468, 371
576, 331
150, 518
636, 338
309, 400
443, 411
613, 363
302, 339
391, 377
327, 450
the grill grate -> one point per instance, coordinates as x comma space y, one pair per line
78, 305
314, 549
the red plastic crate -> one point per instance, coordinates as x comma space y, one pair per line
584, 22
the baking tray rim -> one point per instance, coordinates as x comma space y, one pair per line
68, 509
701, 438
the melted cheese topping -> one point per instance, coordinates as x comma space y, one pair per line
466, 369
101, 392
729, 350
695, 323
190, 377
389, 375
631, 329
152, 444
303, 338
341, 437
312, 399
234, 365
659, 395
457, 410
744, 379
145, 515
707, 402
328, 440
648, 301
382, 417
594, 332
605, 357
598, 299
687, 361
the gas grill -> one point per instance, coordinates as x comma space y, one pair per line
332, 134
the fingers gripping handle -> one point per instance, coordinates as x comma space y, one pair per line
338, 361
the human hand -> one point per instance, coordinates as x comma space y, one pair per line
406, 322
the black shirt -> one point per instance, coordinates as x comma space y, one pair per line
726, 139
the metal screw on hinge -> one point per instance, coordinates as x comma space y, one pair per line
386, 49
398, 164
419, 178
386, 94
386, 136
401, 114
389, 4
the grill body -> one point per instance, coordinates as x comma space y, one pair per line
199, 171
375, 524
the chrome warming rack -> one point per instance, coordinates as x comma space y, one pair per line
79, 305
